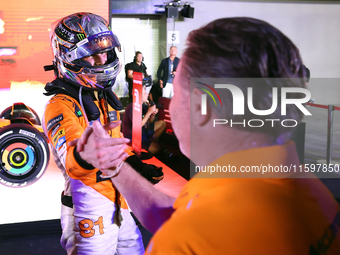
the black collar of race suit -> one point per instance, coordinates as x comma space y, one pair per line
59, 86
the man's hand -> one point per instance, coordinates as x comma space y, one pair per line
95, 148
161, 83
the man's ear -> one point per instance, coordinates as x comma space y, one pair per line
200, 112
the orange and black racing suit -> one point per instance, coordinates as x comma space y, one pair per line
95, 217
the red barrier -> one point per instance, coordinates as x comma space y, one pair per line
137, 113
323, 106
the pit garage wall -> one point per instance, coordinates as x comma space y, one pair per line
312, 26
24, 26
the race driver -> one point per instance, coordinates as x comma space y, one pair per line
95, 217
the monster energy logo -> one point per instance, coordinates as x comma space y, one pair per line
81, 37
62, 32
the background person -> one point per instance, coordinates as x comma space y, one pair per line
167, 71
136, 66
274, 213
151, 129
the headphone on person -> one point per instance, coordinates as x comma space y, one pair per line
134, 58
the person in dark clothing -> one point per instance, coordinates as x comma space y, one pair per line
151, 129
136, 66
166, 72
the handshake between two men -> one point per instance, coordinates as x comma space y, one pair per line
107, 154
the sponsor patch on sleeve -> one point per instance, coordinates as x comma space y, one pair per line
52, 122
60, 133
113, 116
60, 142
62, 149
62, 152
77, 111
55, 129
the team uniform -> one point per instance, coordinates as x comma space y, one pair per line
289, 215
95, 218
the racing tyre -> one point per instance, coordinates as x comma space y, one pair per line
24, 155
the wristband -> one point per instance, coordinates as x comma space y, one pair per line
114, 172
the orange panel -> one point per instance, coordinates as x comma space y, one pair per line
25, 29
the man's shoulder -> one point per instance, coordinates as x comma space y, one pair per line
176, 60
62, 99
130, 66
62, 105
143, 65
200, 217
244, 211
269, 194
165, 60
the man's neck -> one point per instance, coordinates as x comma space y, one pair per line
172, 57
225, 141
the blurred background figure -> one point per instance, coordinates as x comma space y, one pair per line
167, 71
151, 129
136, 66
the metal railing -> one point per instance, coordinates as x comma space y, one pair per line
330, 119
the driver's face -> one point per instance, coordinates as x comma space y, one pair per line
97, 59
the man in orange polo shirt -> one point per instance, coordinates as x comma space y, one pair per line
250, 195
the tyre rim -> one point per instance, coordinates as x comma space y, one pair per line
18, 158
